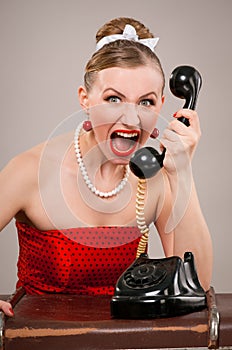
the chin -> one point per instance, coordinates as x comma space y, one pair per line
120, 161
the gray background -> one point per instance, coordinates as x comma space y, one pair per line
44, 47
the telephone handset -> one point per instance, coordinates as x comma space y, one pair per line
185, 82
152, 288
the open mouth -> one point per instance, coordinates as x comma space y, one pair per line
123, 142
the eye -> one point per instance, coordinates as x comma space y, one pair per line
113, 99
147, 102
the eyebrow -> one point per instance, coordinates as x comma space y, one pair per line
149, 93
112, 89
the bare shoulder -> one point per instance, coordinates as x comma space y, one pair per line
18, 181
28, 162
25, 163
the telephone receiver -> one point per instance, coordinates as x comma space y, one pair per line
185, 82
153, 288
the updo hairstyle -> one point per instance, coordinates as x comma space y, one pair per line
121, 53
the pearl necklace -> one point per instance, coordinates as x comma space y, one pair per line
85, 176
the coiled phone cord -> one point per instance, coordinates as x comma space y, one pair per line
140, 217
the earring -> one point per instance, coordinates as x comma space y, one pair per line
154, 134
87, 126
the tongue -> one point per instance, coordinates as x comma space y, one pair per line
122, 144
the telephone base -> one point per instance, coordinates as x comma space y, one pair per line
155, 307
153, 288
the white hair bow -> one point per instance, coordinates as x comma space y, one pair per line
129, 33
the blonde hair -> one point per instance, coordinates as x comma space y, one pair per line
121, 53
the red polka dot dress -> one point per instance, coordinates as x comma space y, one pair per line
84, 261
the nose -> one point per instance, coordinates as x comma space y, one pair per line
130, 115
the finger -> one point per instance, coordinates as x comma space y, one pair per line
173, 147
6, 308
182, 135
178, 127
171, 134
191, 115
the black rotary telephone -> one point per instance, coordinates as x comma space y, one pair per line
152, 288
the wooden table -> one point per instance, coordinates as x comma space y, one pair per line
56, 321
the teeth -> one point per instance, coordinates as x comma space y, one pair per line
124, 134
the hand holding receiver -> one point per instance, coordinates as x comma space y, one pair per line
185, 83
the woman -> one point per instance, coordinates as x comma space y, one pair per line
80, 225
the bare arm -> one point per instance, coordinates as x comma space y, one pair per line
185, 220
13, 189
15, 185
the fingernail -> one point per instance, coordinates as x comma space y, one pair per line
174, 115
11, 311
